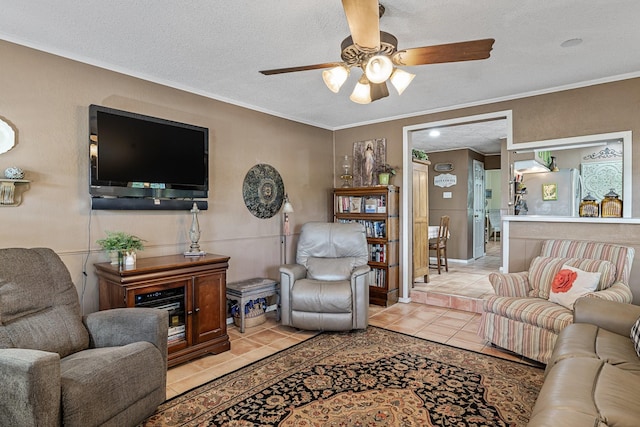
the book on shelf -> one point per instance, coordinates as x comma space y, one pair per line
371, 205
377, 252
382, 204
355, 204
374, 229
377, 278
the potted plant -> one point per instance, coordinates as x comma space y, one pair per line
385, 172
118, 244
419, 154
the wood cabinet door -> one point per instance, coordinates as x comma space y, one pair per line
420, 221
209, 315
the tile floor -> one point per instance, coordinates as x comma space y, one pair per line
463, 286
434, 322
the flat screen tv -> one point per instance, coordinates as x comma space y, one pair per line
143, 162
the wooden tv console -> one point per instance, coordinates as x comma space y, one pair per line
192, 289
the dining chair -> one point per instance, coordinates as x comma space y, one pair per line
440, 244
494, 224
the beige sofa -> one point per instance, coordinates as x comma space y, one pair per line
593, 376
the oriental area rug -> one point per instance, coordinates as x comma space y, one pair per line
371, 378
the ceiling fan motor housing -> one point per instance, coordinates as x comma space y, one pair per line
354, 55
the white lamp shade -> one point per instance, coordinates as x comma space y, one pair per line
378, 68
362, 92
287, 207
400, 79
335, 77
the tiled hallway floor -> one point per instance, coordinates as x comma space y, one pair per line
463, 286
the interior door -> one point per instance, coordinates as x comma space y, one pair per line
478, 209
420, 220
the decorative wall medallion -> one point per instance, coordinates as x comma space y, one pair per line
598, 178
263, 191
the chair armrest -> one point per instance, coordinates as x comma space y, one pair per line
359, 271
289, 273
360, 292
613, 316
293, 271
122, 326
31, 387
618, 292
511, 284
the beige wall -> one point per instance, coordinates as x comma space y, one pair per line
46, 99
590, 110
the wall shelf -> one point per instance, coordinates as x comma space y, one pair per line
11, 191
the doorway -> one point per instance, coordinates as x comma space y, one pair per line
411, 136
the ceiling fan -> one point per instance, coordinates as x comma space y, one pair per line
376, 53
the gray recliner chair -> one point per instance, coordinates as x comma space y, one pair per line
328, 287
57, 368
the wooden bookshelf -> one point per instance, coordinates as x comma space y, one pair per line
377, 209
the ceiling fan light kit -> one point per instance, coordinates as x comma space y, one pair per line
400, 79
375, 52
362, 92
379, 68
335, 77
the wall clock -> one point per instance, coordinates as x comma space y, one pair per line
263, 191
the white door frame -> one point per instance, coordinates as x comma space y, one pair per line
406, 250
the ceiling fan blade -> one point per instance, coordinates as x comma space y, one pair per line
363, 17
452, 52
378, 90
302, 68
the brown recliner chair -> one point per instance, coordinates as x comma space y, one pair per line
328, 287
57, 368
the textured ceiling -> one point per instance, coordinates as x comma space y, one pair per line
216, 48
485, 137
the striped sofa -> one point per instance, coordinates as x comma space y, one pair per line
520, 318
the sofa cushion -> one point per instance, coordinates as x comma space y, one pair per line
635, 336
570, 284
91, 381
39, 306
330, 268
590, 341
533, 311
543, 270
319, 296
583, 391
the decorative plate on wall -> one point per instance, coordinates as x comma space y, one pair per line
263, 191
7, 137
